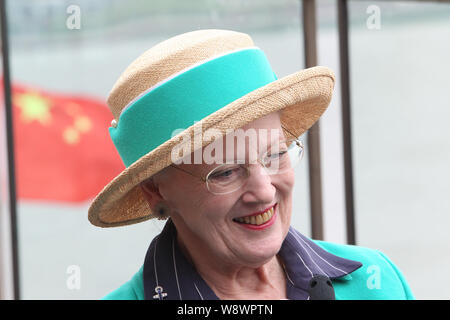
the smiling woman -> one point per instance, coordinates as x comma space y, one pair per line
228, 232
208, 230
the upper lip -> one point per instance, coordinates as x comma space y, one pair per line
259, 212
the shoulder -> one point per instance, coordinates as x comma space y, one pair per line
378, 278
133, 289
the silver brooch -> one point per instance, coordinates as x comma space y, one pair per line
159, 293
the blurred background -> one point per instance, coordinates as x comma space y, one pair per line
65, 56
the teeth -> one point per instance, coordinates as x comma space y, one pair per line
257, 220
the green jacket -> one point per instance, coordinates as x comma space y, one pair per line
377, 279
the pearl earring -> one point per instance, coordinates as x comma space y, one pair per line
161, 211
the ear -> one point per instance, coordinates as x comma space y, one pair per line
151, 192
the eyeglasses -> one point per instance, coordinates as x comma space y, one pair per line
281, 156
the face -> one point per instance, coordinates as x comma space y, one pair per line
208, 222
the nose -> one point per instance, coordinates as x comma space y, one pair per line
259, 187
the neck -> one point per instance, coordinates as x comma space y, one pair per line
229, 280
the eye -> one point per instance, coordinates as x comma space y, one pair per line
225, 174
276, 155
277, 152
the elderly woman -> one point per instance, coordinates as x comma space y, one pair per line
209, 137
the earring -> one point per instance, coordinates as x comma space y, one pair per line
161, 211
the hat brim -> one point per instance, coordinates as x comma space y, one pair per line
302, 98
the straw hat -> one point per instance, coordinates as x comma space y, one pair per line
196, 81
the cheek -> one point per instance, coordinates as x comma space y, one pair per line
216, 208
196, 205
286, 183
285, 188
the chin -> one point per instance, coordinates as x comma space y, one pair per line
263, 253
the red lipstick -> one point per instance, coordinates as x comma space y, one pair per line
264, 225
256, 213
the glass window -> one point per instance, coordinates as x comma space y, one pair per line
72, 52
400, 73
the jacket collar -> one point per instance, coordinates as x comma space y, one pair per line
168, 271
303, 259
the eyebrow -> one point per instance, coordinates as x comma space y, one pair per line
203, 170
273, 142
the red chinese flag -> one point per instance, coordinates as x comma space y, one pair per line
63, 151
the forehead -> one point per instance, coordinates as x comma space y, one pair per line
261, 131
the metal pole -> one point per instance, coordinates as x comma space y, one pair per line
346, 118
10, 146
315, 182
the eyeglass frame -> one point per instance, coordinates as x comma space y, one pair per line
205, 179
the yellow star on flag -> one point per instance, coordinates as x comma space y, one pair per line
34, 107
